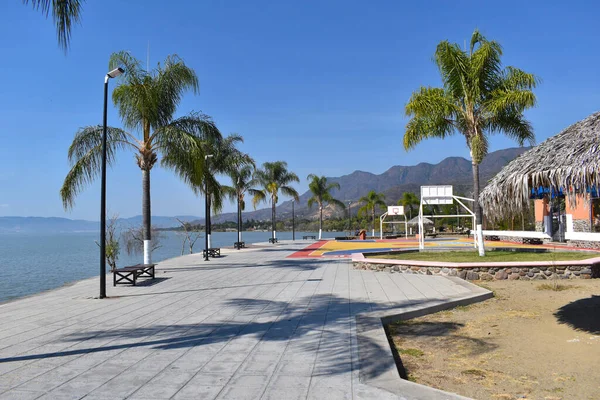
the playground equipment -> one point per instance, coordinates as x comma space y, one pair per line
393, 210
442, 194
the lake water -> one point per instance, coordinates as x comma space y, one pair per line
31, 263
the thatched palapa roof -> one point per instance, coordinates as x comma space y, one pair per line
569, 161
415, 221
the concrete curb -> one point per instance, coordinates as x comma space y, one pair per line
373, 344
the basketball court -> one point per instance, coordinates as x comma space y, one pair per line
345, 248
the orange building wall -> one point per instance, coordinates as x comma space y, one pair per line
542, 208
580, 210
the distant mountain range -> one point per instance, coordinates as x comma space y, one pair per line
454, 171
56, 224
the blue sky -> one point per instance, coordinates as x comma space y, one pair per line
319, 84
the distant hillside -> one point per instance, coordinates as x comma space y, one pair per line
456, 171
55, 224
45, 225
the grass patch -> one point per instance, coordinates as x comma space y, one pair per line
474, 372
412, 352
555, 287
490, 256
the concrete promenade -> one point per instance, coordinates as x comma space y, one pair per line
249, 325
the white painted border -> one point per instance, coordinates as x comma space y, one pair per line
585, 236
522, 234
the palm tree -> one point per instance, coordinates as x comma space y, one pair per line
146, 101
242, 182
409, 200
372, 200
479, 97
273, 178
65, 13
225, 159
320, 190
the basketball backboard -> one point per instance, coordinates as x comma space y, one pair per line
441, 194
395, 210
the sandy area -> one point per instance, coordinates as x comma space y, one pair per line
525, 343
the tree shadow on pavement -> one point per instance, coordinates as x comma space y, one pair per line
582, 315
319, 325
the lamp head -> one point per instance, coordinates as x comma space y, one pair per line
115, 72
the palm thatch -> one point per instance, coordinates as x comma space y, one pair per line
569, 161
415, 221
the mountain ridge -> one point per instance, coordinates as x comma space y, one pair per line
456, 171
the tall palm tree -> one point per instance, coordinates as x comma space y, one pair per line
371, 201
65, 13
147, 101
242, 182
408, 200
201, 176
273, 178
321, 195
479, 97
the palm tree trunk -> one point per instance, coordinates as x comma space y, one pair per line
146, 219
239, 222
209, 223
477, 209
273, 228
320, 221
373, 224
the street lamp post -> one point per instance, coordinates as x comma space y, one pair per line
239, 218
112, 74
206, 207
293, 223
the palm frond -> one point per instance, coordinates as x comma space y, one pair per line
453, 65
290, 192
148, 99
258, 196
85, 157
65, 14
514, 125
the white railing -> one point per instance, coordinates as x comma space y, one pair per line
519, 234
585, 236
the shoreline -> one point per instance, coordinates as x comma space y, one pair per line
252, 247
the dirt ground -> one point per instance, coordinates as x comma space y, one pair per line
525, 343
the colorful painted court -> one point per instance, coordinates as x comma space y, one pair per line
345, 248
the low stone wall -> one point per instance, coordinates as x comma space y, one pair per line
584, 244
490, 274
581, 225
539, 226
513, 239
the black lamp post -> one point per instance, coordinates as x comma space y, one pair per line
112, 74
239, 218
206, 207
293, 223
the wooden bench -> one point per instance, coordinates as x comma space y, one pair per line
433, 235
212, 252
239, 245
309, 237
129, 275
273, 240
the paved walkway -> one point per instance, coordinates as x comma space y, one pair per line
250, 325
